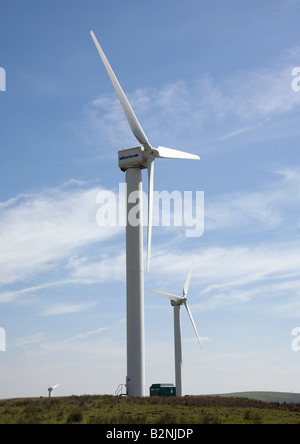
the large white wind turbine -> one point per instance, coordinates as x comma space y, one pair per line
132, 161
177, 302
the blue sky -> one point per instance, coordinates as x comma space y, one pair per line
208, 77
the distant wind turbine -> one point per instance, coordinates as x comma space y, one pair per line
177, 302
50, 389
132, 161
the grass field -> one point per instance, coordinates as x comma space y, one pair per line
114, 410
267, 396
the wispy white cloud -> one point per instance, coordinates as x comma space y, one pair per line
233, 275
106, 269
64, 309
9, 296
86, 335
179, 113
39, 230
258, 211
65, 226
94, 345
239, 132
28, 341
260, 94
39, 342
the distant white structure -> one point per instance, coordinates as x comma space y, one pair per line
2, 80
177, 302
296, 81
50, 389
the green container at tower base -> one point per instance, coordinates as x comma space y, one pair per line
162, 390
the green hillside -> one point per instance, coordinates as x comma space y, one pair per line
267, 396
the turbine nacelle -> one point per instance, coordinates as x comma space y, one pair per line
178, 303
139, 157
132, 158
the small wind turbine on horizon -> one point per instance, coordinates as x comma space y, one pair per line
133, 161
177, 302
50, 389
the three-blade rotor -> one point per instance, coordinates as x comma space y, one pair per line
182, 300
150, 152
50, 386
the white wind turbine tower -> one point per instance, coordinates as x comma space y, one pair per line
132, 161
50, 389
177, 302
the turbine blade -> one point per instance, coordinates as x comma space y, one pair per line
131, 117
55, 386
150, 162
168, 153
187, 284
193, 323
172, 297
